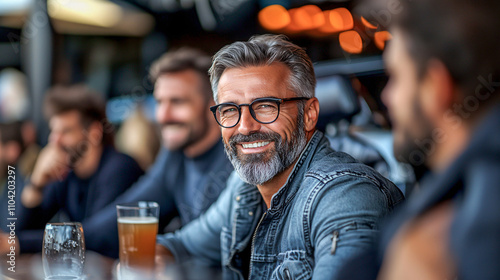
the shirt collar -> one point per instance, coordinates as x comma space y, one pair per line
294, 180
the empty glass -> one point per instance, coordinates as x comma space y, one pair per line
63, 252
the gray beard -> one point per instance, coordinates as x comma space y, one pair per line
256, 169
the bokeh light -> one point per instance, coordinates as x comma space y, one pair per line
307, 17
367, 23
381, 37
351, 42
327, 27
274, 17
341, 19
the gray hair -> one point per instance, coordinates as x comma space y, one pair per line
264, 50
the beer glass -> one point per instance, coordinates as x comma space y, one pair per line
63, 252
137, 228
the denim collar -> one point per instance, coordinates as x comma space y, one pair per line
287, 192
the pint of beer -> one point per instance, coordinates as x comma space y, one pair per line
137, 228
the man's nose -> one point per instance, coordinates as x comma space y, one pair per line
164, 113
247, 124
55, 138
385, 96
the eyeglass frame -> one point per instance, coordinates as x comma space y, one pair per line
278, 101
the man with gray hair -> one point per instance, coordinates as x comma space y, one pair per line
294, 208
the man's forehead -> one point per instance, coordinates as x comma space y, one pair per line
178, 77
257, 81
177, 84
250, 69
397, 47
69, 117
389, 52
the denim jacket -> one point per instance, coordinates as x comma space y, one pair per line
326, 212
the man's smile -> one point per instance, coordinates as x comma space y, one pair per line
254, 147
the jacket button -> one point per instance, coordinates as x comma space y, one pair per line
238, 198
250, 213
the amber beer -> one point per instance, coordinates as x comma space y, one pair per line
137, 242
137, 228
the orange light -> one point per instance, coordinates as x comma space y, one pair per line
381, 37
274, 17
351, 42
327, 27
341, 19
292, 27
307, 17
316, 15
367, 23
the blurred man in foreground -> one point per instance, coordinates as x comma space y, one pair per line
294, 206
78, 172
191, 170
443, 97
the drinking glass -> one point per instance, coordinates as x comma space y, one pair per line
137, 228
63, 252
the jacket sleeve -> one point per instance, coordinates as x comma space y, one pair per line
201, 237
343, 222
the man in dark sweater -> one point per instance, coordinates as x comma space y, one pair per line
78, 172
444, 98
191, 169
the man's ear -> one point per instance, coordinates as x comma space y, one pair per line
438, 90
311, 113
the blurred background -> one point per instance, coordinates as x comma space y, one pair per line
109, 45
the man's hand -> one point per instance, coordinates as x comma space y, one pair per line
51, 165
420, 249
163, 258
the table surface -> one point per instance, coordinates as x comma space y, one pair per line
99, 267
29, 267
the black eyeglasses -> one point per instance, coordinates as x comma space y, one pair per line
264, 110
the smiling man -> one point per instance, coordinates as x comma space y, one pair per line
191, 169
294, 208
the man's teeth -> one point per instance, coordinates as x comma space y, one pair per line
254, 145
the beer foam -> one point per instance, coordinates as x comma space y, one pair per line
137, 220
